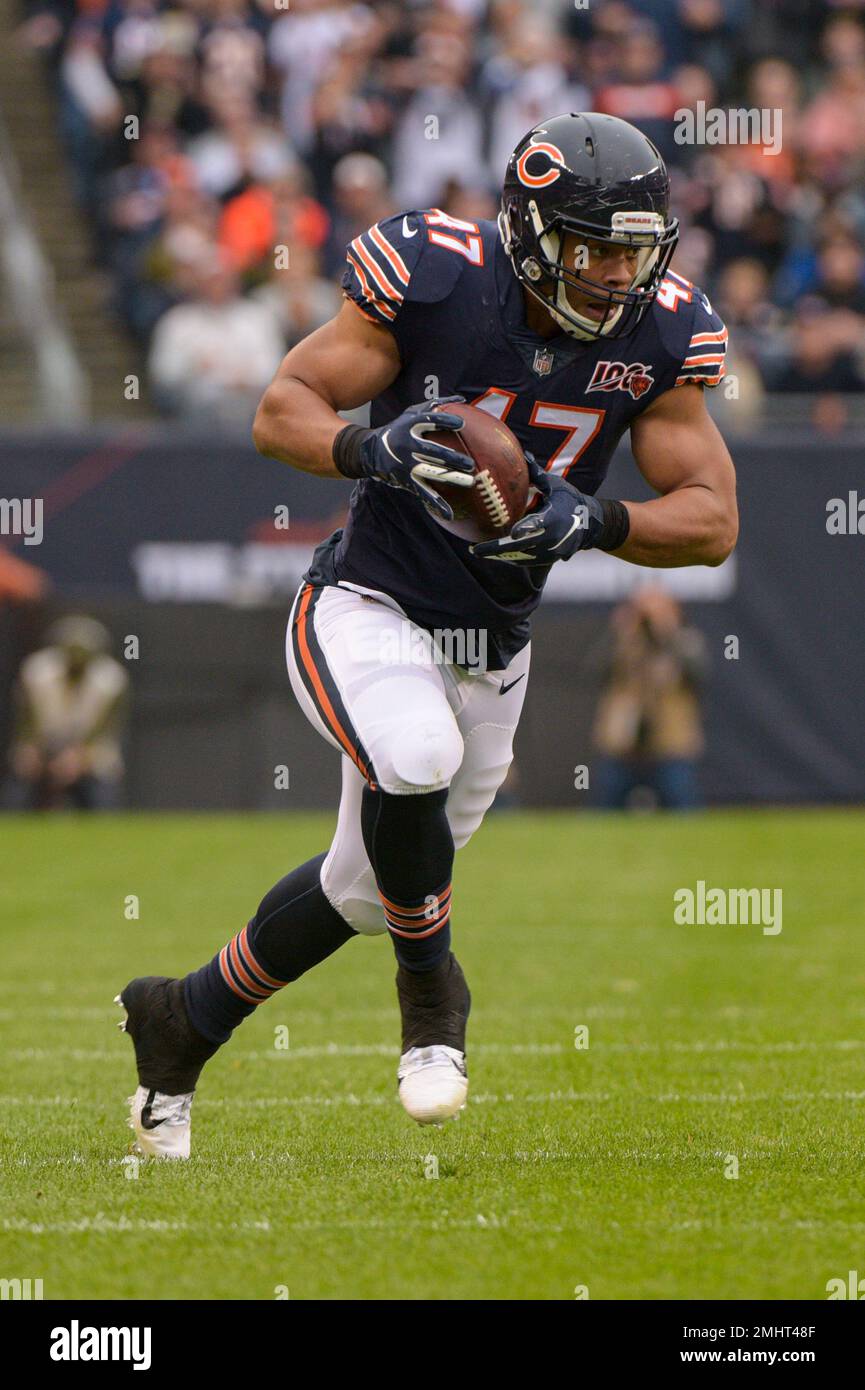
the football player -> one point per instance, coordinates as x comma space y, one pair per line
563, 319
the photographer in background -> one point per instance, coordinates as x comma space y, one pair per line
648, 725
70, 700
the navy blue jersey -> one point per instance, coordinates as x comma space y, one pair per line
445, 289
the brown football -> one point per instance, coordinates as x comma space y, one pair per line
501, 488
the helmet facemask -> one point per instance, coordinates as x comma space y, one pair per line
647, 232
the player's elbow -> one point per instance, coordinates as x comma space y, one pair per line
263, 426
723, 534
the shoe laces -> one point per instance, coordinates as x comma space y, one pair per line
419, 1058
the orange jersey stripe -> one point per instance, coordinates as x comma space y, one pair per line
700, 338
391, 253
360, 310
367, 289
390, 291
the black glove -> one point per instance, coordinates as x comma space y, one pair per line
402, 454
565, 522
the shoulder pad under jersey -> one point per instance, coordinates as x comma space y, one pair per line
691, 330
406, 259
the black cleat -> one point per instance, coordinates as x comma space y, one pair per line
432, 1078
434, 1005
169, 1054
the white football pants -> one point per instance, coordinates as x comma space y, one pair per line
403, 717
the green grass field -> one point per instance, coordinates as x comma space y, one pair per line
602, 1167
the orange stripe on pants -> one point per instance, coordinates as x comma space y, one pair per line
326, 708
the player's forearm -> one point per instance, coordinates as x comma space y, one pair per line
690, 526
294, 425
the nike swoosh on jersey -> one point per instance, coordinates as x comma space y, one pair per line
405, 230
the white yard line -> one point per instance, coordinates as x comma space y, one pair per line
491, 1221
562, 1097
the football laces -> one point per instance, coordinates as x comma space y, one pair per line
494, 503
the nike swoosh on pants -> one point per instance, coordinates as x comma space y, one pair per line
503, 689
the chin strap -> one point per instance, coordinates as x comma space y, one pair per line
576, 331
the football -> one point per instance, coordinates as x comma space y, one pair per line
500, 493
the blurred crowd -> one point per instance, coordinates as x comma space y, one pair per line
267, 134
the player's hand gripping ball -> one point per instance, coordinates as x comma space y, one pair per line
405, 454
562, 522
500, 491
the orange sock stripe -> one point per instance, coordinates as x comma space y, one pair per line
248, 981
417, 935
394, 920
441, 899
260, 976
251, 995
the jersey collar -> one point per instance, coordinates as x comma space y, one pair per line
523, 339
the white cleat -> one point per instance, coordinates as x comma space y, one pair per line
433, 1084
161, 1123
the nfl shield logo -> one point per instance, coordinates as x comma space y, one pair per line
543, 363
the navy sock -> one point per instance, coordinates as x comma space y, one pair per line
294, 929
411, 849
